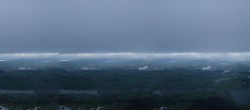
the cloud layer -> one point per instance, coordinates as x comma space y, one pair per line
237, 56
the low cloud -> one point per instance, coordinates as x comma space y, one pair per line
143, 68
240, 56
206, 68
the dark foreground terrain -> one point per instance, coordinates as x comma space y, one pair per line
74, 85
114, 89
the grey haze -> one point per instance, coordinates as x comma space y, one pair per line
124, 26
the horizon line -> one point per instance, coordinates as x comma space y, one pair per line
227, 56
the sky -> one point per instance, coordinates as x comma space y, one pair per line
78, 26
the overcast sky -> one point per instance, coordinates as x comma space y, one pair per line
124, 25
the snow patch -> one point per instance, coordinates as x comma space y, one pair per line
61, 107
3, 108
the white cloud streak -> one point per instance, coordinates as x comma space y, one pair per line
234, 56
